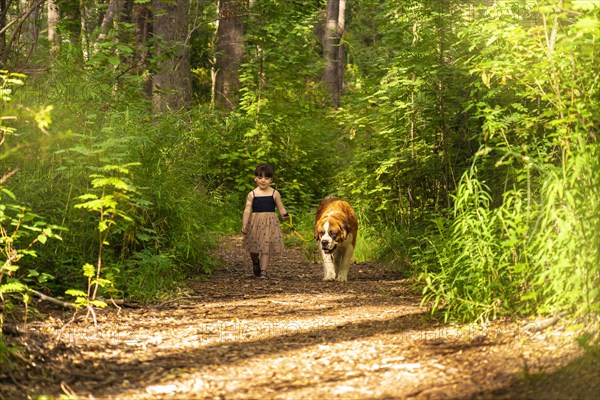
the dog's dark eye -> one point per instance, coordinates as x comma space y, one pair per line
321, 233
332, 234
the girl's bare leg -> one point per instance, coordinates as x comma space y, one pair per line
264, 261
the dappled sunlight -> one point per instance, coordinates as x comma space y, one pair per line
404, 356
293, 339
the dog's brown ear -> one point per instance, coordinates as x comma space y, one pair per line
317, 232
344, 231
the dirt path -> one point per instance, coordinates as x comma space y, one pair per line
295, 337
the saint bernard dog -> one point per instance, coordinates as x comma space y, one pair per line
335, 232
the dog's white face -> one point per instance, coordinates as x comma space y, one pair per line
330, 234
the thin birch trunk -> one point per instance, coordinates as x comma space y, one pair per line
53, 37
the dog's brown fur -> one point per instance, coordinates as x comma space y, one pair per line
336, 227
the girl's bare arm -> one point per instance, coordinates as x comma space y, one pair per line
280, 207
247, 213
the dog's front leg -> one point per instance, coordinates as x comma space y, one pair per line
343, 264
338, 258
328, 267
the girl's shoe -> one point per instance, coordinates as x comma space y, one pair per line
263, 274
256, 268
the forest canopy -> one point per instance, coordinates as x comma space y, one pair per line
465, 134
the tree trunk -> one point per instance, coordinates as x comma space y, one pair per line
444, 148
84, 32
333, 52
141, 17
29, 31
3, 11
341, 28
171, 84
114, 7
230, 51
33, 29
53, 37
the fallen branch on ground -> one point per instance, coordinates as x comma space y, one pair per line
541, 325
52, 300
68, 304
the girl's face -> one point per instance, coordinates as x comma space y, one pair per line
263, 182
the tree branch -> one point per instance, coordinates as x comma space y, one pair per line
23, 16
42, 296
67, 304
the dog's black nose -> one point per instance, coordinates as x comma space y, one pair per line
324, 243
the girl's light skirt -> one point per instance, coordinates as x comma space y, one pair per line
264, 234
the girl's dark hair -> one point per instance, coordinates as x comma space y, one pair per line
264, 170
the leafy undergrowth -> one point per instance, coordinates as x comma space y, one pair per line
294, 336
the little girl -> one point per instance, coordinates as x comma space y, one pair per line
260, 225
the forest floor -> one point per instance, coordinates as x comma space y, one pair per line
294, 336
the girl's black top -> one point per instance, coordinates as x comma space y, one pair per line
263, 203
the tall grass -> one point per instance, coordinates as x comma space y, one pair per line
531, 254
566, 247
525, 238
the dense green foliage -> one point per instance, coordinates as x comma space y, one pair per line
467, 141
474, 132
524, 235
